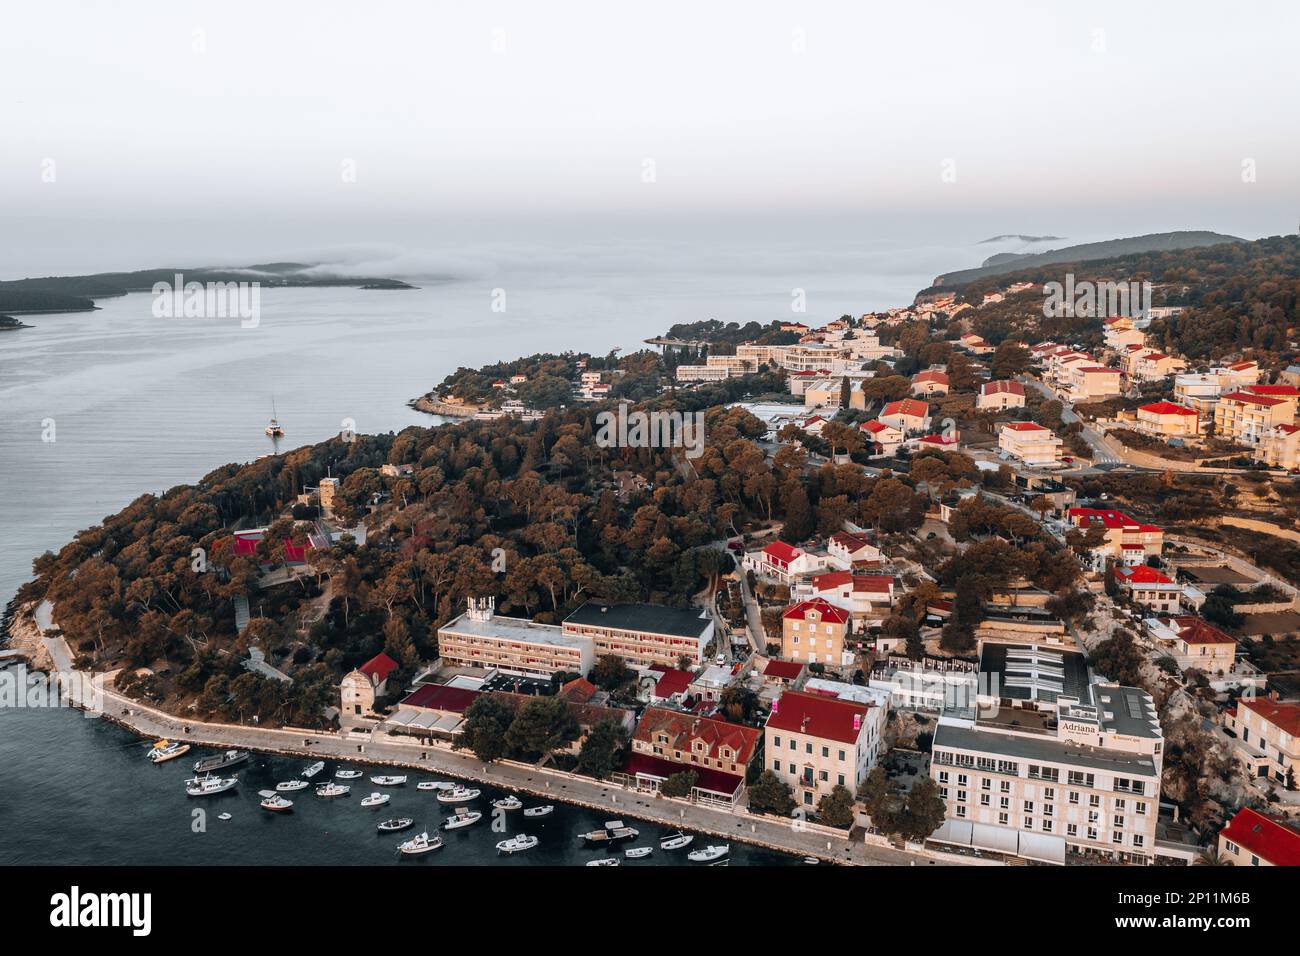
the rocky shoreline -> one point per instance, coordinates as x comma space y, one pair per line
432, 405
19, 626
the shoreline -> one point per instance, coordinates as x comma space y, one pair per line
433, 406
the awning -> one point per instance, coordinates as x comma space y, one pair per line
957, 832
1044, 847
997, 839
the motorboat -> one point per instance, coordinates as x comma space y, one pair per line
709, 853
209, 785
420, 843
811, 861
392, 826
165, 750
313, 769
220, 761
332, 789
347, 774
438, 785
544, 811
389, 781
509, 802
608, 861
274, 802
637, 852
291, 786
461, 818
459, 795
676, 841
223, 816
375, 800
613, 831
517, 844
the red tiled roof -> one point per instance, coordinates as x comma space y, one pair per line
875, 426
910, 407
850, 541
378, 667
930, 375
997, 388
783, 670
1194, 630
941, 440
1142, 574
829, 718
682, 729
1283, 715
1247, 399
579, 690
1025, 427
1265, 837
673, 682
1279, 391
1111, 519
454, 700
782, 552
828, 611
1166, 408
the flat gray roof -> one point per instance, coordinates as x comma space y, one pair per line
647, 618
511, 629
1127, 710
1044, 749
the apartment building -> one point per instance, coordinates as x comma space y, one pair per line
1279, 447
1119, 332
1148, 365
1000, 395
667, 742
930, 382
702, 373
1268, 738
783, 562
1201, 390
1194, 642
643, 634
865, 597
1126, 541
885, 437
481, 638
1168, 420
830, 391
1245, 417
909, 415
1029, 442
815, 742
847, 549
1083, 382
1252, 838
1147, 586
813, 632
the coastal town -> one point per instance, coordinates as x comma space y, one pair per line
958, 582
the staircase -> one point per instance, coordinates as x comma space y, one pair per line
242, 615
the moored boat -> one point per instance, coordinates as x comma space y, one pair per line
332, 789
608, 861
291, 786
420, 843
165, 750
209, 785
517, 844
508, 802
223, 816
637, 852
709, 853
613, 831
392, 826
375, 800
347, 774
438, 785
388, 781
543, 811
274, 802
312, 769
458, 795
676, 841
461, 818
220, 761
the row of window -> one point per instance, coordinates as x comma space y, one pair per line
1071, 829
1010, 768
808, 748
807, 774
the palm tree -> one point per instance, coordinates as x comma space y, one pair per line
1212, 857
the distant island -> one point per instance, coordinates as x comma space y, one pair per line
9, 323
53, 294
1021, 238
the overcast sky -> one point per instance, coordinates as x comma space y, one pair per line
155, 133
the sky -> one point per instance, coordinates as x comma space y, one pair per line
233, 132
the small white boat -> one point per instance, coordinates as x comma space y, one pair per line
420, 843
509, 802
347, 774
461, 818
544, 811
715, 851
608, 861
811, 861
517, 844
223, 816
291, 786
676, 841
458, 795
332, 789
165, 750
388, 781
637, 852
314, 769
438, 785
220, 761
613, 831
274, 802
375, 800
207, 786
392, 826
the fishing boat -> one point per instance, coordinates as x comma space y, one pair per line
223, 816
420, 843
637, 852
461, 818
165, 750
291, 786
508, 802
545, 811
207, 786
708, 854
438, 785
608, 861
458, 795
220, 761
347, 774
382, 781
613, 831
274, 429
375, 800
274, 802
332, 789
676, 841
392, 826
313, 769
517, 844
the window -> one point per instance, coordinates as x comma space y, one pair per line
1047, 826
1137, 839
1117, 837
1071, 829
1005, 786
776, 741
943, 776
961, 779
840, 779
1074, 798
1004, 803
1141, 808
792, 746
826, 751
961, 796
841, 756
825, 776
1094, 800
984, 799
776, 765
1029, 806
808, 747
961, 811
986, 783
1002, 819
1049, 793
1118, 821
1029, 823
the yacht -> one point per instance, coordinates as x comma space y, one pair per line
517, 844
347, 774
509, 802
458, 795
708, 854
376, 800
274, 802
545, 811
274, 429
637, 852
165, 750
392, 826
291, 786
461, 818
612, 832
607, 861
313, 769
420, 843
220, 761
207, 786
388, 781
332, 789
438, 785
676, 841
